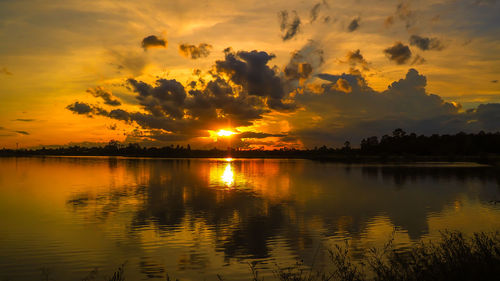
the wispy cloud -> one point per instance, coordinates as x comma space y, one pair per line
195, 52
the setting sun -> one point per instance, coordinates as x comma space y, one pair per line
225, 133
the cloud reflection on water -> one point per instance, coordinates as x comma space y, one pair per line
198, 215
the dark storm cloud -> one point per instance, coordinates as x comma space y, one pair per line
153, 41
289, 26
22, 132
313, 15
426, 43
5, 71
250, 71
105, 95
258, 135
195, 52
398, 53
354, 24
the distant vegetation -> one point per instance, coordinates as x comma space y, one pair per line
399, 145
454, 257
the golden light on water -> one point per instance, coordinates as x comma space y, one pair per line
222, 173
228, 175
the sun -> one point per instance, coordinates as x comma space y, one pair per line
225, 133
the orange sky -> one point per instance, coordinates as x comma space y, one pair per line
320, 74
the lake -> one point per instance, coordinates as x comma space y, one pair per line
196, 218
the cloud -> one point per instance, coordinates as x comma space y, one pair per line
313, 15
10, 132
166, 98
195, 52
24, 120
156, 135
250, 90
257, 135
406, 14
402, 13
250, 71
355, 58
153, 41
289, 27
80, 108
107, 96
304, 62
334, 115
243, 88
389, 21
5, 71
487, 115
354, 24
425, 43
398, 53
342, 85
22, 132
484, 2
418, 60
133, 62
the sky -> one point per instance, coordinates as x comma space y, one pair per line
271, 74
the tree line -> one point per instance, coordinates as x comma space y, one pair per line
399, 143
459, 144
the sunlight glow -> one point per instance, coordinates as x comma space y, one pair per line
225, 133
228, 175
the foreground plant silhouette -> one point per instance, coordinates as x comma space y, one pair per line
454, 257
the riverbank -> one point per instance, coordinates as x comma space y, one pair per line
454, 257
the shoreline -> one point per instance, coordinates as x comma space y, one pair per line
481, 160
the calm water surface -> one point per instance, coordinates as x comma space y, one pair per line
196, 218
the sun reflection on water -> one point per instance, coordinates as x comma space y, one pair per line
228, 175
